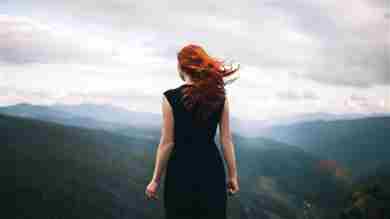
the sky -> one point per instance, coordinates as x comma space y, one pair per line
296, 56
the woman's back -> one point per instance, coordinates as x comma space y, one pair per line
195, 182
186, 129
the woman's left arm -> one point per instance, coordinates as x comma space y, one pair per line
166, 141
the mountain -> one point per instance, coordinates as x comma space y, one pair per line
279, 179
57, 171
250, 127
103, 116
46, 113
359, 144
69, 115
113, 118
113, 114
35, 111
319, 116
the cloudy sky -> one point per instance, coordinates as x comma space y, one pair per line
296, 56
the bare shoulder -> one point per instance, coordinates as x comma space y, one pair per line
169, 96
226, 104
225, 110
224, 126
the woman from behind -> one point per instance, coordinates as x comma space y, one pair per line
195, 183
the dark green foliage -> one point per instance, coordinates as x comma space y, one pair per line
370, 197
53, 171
359, 144
279, 178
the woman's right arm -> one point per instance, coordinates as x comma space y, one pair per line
227, 141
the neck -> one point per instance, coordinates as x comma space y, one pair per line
188, 81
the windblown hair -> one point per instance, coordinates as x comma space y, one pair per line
209, 74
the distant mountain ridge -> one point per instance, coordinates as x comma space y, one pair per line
100, 112
111, 117
86, 116
110, 113
252, 128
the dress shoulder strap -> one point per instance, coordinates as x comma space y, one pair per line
171, 97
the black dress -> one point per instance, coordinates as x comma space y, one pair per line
194, 185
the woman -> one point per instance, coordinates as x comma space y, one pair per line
195, 184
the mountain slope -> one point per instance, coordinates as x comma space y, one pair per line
359, 144
281, 178
56, 171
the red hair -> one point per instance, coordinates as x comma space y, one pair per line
207, 73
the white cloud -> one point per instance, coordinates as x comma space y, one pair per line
295, 56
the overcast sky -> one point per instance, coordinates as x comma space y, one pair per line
296, 56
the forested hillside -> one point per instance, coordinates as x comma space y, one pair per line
359, 144
56, 171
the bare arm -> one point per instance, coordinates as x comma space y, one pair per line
227, 141
166, 142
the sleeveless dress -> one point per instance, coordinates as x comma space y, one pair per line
194, 184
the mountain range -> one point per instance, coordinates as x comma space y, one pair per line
64, 162
53, 170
